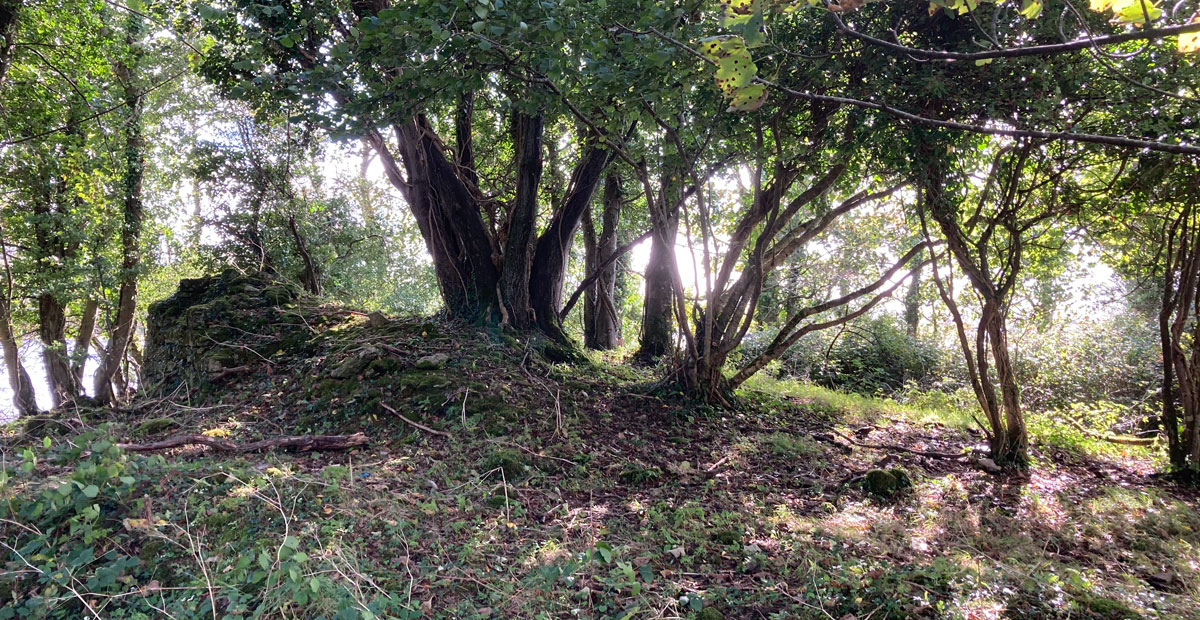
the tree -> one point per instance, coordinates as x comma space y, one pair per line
601, 318
129, 72
478, 204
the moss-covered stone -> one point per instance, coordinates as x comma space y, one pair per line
220, 359
154, 426
350, 367
710, 613
1108, 609
210, 323
279, 294
435, 361
511, 462
887, 483
384, 366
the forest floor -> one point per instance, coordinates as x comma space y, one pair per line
567, 490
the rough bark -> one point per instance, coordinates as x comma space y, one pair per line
449, 218
24, 398
522, 221
52, 330
912, 305
468, 259
549, 268
1180, 303
83, 340
131, 227
602, 321
658, 319
1009, 439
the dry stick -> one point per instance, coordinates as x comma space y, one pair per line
228, 372
888, 446
416, 424
302, 443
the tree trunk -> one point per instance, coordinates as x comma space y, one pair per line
1009, 440
311, 278
131, 228
1176, 453
1014, 446
9, 10
24, 398
522, 221
52, 329
602, 321
549, 267
83, 340
468, 261
912, 305
658, 319
464, 257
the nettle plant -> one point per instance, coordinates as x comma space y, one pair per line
66, 547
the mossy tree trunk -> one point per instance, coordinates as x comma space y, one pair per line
127, 70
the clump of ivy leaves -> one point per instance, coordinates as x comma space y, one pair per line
77, 547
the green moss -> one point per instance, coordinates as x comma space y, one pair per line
384, 366
155, 426
887, 483
436, 361
423, 382
278, 295
335, 473
636, 474
350, 368
511, 462
710, 613
728, 536
786, 445
219, 359
1108, 609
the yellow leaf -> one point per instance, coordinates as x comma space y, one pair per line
135, 524
1189, 42
1101, 5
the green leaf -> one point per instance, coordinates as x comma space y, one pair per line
91, 491
1030, 9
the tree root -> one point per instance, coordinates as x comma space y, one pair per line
300, 443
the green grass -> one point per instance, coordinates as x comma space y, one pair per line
859, 409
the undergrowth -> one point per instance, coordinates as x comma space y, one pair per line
567, 491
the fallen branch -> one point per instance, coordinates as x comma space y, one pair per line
896, 448
300, 443
229, 372
412, 423
1117, 439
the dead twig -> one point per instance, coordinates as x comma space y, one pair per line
413, 423
300, 443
